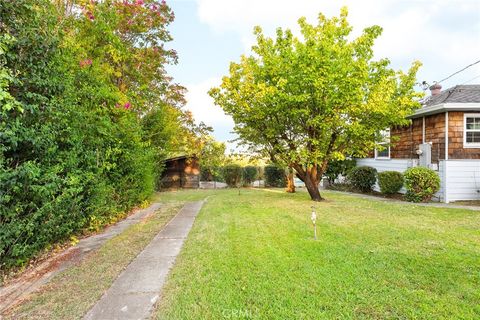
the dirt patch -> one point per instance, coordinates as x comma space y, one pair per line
30, 279
18, 287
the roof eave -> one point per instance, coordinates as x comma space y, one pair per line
444, 107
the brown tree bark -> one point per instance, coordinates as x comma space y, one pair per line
290, 181
311, 180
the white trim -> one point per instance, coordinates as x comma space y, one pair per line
446, 135
386, 134
469, 145
382, 158
443, 107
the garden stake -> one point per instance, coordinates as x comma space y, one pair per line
314, 220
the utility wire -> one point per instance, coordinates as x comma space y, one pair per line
471, 79
472, 64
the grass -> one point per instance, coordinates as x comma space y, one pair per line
475, 203
70, 294
252, 256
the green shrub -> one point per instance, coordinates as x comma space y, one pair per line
205, 174
249, 175
390, 182
232, 174
421, 184
260, 173
339, 167
76, 150
275, 176
363, 178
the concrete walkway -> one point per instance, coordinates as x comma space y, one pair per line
43, 273
137, 289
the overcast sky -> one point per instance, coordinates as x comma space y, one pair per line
208, 34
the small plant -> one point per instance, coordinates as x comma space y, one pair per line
363, 178
421, 184
233, 175
390, 182
275, 176
250, 174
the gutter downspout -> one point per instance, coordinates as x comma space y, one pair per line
446, 135
423, 129
445, 171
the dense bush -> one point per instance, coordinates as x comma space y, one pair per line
87, 115
274, 176
363, 178
232, 173
249, 175
421, 184
390, 182
205, 174
339, 167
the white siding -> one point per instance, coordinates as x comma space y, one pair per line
387, 164
440, 195
381, 165
462, 179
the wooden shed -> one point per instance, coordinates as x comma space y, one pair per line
181, 172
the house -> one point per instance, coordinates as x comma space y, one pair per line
444, 135
181, 172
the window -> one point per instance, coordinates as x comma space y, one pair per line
472, 130
384, 151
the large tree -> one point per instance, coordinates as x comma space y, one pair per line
306, 101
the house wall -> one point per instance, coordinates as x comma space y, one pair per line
405, 140
455, 138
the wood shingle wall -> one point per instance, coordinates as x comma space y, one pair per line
405, 140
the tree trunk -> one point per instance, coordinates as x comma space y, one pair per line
290, 181
311, 183
310, 178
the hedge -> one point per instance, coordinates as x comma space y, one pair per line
232, 174
390, 182
421, 184
275, 176
250, 174
363, 178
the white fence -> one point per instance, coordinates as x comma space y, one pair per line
461, 179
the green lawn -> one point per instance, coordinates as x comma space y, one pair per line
252, 256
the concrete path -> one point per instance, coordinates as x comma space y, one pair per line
136, 290
43, 273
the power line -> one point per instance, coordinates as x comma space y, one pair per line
472, 64
471, 79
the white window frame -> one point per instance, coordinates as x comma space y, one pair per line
465, 143
386, 136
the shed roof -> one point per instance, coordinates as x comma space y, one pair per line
181, 158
